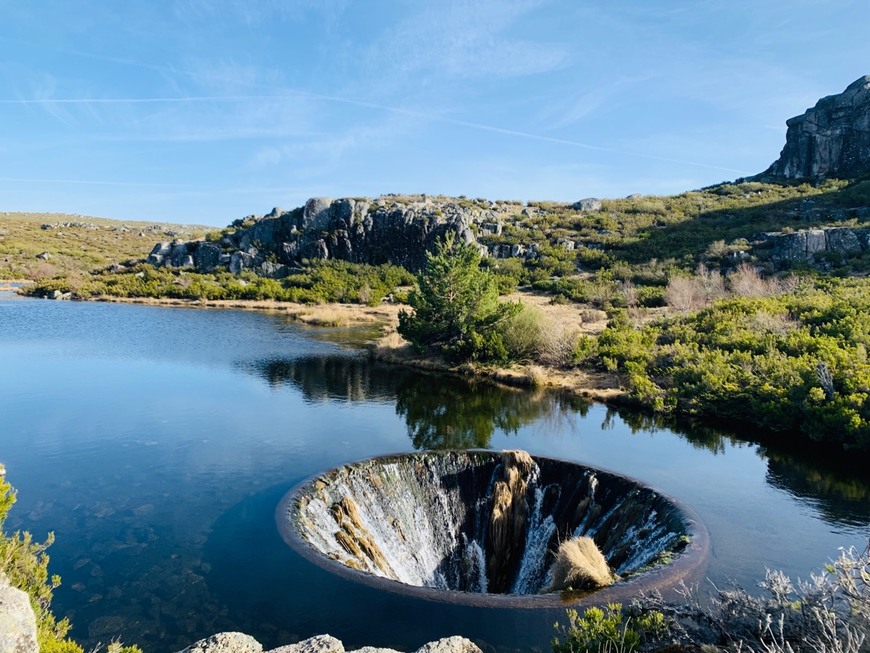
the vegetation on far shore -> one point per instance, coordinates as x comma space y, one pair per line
701, 323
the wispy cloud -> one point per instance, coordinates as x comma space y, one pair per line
586, 101
256, 12
460, 39
234, 134
94, 182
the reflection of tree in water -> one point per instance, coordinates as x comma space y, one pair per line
700, 436
449, 413
441, 412
840, 491
838, 488
340, 377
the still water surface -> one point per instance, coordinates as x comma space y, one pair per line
157, 442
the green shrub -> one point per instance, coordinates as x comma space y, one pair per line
791, 363
607, 631
455, 306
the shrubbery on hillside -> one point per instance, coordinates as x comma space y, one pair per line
795, 361
319, 282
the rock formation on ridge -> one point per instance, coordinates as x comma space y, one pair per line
396, 229
832, 139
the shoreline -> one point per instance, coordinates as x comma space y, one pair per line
11, 285
325, 315
601, 387
392, 349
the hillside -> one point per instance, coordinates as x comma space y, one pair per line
40, 245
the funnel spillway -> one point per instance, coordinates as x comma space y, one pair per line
475, 526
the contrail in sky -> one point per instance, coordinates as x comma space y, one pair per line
327, 98
369, 105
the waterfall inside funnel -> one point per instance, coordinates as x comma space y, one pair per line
481, 522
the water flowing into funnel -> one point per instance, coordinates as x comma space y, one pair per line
486, 524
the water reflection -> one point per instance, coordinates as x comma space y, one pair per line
841, 495
440, 412
464, 415
350, 378
840, 489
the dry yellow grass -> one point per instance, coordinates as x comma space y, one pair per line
314, 315
570, 317
579, 565
76, 243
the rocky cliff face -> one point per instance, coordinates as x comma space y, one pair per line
831, 139
384, 230
811, 246
388, 229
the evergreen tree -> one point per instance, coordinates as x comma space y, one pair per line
456, 306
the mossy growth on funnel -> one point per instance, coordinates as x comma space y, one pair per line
486, 523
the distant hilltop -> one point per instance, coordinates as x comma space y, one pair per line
830, 140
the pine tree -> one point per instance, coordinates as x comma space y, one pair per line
456, 306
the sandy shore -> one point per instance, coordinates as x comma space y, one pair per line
315, 315
12, 284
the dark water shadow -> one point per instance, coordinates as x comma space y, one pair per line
835, 483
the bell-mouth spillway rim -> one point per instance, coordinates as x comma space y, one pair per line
686, 568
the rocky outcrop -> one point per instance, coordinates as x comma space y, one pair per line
239, 643
587, 204
831, 139
383, 230
388, 229
811, 245
17, 621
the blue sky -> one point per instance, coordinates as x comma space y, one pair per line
208, 110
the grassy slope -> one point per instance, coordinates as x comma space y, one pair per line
76, 249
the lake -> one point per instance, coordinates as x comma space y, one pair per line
157, 442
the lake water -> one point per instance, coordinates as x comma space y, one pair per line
157, 442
